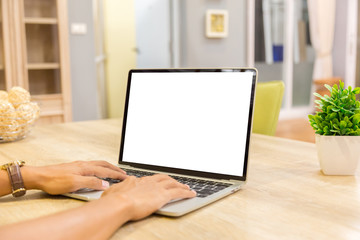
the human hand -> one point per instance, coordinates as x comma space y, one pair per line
69, 177
148, 194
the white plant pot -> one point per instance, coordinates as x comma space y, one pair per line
338, 155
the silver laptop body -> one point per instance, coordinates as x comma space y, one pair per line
188, 122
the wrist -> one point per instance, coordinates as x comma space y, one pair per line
31, 177
15, 179
121, 206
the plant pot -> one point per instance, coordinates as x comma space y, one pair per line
338, 155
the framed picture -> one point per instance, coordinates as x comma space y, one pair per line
217, 22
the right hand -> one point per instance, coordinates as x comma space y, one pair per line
148, 194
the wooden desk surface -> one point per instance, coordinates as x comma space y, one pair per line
286, 196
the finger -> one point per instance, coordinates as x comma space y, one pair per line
178, 193
129, 180
172, 183
103, 172
166, 181
92, 183
107, 165
169, 181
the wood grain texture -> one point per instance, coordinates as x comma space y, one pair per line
36, 51
297, 129
64, 49
286, 195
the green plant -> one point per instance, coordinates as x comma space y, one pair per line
340, 112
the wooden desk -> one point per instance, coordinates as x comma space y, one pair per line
286, 197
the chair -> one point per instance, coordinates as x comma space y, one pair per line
268, 101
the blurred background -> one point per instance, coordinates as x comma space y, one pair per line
74, 56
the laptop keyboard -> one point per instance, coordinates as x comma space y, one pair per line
202, 187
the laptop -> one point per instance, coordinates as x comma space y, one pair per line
193, 124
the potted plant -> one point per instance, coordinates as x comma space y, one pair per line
337, 129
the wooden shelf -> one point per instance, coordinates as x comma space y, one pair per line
50, 104
34, 54
41, 66
51, 113
40, 20
47, 96
42, 43
40, 8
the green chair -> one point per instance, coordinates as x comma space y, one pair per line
268, 99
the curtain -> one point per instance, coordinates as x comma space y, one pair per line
322, 25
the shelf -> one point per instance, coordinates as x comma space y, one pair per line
50, 104
42, 66
40, 20
42, 43
44, 81
47, 97
51, 108
2, 80
40, 8
36, 35
51, 113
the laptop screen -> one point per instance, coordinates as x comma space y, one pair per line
197, 120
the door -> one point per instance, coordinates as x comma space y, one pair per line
153, 41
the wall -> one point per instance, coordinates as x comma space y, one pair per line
339, 48
153, 50
119, 40
196, 49
82, 55
199, 51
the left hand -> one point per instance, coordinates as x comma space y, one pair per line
70, 177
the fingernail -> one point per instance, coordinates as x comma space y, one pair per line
194, 191
105, 184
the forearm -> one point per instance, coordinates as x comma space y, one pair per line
30, 176
5, 186
95, 220
66, 177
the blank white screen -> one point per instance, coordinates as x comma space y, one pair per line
189, 120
